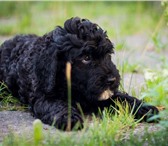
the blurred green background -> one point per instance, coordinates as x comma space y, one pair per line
137, 26
118, 18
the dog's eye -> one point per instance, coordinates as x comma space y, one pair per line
86, 59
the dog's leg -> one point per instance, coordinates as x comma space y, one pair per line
138, 107
56, 112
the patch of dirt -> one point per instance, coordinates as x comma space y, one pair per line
18, 122
141, 129
133, 82
14, 121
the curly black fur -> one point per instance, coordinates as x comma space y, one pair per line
33, 68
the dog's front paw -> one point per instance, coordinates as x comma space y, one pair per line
76, 122
147, 112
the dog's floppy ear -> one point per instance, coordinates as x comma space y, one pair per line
46, 69
66, 38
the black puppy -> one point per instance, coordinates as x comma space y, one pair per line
33, 68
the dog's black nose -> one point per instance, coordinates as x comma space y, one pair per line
111, 80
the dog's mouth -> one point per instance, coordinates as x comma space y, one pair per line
105, 95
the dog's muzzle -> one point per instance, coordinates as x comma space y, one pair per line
106, 95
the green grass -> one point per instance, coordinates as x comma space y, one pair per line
7, 101
156, 81
156, 91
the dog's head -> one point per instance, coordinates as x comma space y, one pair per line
86, 46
